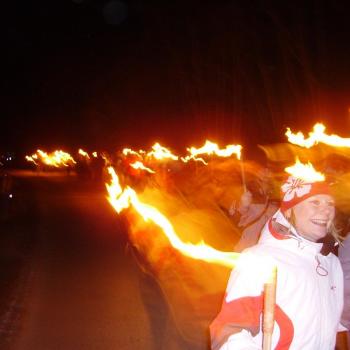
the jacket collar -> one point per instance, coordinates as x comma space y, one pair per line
279, 229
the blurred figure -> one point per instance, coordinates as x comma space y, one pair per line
82, 168
344, 257
153, 258
6, 189
255, 207
164, 330
97, 165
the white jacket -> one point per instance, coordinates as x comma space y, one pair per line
309, 297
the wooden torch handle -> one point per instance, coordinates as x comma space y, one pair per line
269, 308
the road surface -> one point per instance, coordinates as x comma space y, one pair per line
79, 286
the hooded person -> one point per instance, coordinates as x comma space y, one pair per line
309, 292
256, 206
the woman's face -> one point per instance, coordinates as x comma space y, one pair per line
313, 216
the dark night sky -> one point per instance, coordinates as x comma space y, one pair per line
104, 74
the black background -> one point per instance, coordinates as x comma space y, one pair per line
107, 74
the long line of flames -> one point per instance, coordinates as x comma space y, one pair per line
121, 199
158, 153
56, 159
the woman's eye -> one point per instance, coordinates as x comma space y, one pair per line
315, 202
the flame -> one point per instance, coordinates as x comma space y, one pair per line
94, 154
57, 158
305, 172
316, 136
32, 158
188, 158
127, 151
139, 165
121, 199
83, 153
159, 152
211, 148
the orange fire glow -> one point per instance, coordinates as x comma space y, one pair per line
121, 199
32, 158
83, 153
56, 159
317, 136
305, 172
211, 148
127, 151
139, 165
159, 152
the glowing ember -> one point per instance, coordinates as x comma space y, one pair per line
94, 154
159, 152
122, 199
305, 172
139, 165
316, 136
211, 148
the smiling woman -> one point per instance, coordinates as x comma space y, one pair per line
309, 297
